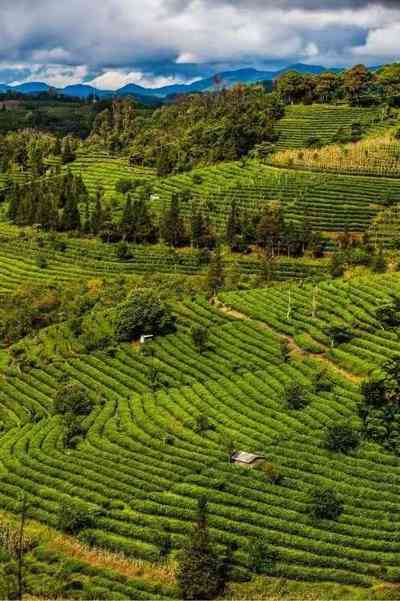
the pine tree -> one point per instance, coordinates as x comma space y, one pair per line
126, 220
68, 155
71, 219
232, 226
46, 213
172, 226
200, 572
97, 218
216, 276
13, 203
197, 228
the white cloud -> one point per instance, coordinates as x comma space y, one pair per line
114, 79
58, 76
383, 42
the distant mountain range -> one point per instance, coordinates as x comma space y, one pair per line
224, 79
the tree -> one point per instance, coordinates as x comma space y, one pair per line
72, 398
216, 274
144, 312
200, 338
356, 83
341, 438
122, 251
68, 155
339, 333
97, 217
74, 516
325, 504
271, 228
199, 574
172, 227
379, 264
232, 226
260, 556
296, 396
71, 219
337, 265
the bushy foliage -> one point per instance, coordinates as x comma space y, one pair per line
198, 128
144, 312
296, 396
261, 556
341, 438
72, 398
74, 516
325, 504
200, 337
200, 574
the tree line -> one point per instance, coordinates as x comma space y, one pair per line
63, 204
358, 86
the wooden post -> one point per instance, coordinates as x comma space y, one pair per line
315, 301
289, 313
20, 549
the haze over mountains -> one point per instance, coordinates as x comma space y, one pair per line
227, 79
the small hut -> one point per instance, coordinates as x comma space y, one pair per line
146, 338
245, 459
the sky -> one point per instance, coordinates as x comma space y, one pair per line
109, 43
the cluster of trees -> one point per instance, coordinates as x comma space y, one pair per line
352, 251
359, 86
200, 128
117, 125
26, 150
51, 203
269, 229
380, 407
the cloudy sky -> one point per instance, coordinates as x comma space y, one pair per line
156, 42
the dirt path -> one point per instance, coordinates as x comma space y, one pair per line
295, 349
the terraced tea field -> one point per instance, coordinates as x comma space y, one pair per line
89, 259
329, 201
155, 464
322, 121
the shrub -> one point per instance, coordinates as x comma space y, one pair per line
296, 396
325, 504
260, 556
379, 264
41, 262
72, 398
123, 186
122, 251
272, 472
200, 338
285, 350
143, 313
339, 334
74, 516
341, 438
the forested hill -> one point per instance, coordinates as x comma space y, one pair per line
205, 128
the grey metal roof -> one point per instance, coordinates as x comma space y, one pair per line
244, 457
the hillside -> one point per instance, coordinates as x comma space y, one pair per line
215, 277
238, 383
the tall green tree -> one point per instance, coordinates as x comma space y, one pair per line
172, 227
216, 272
200, 573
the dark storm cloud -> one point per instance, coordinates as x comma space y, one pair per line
175, 38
